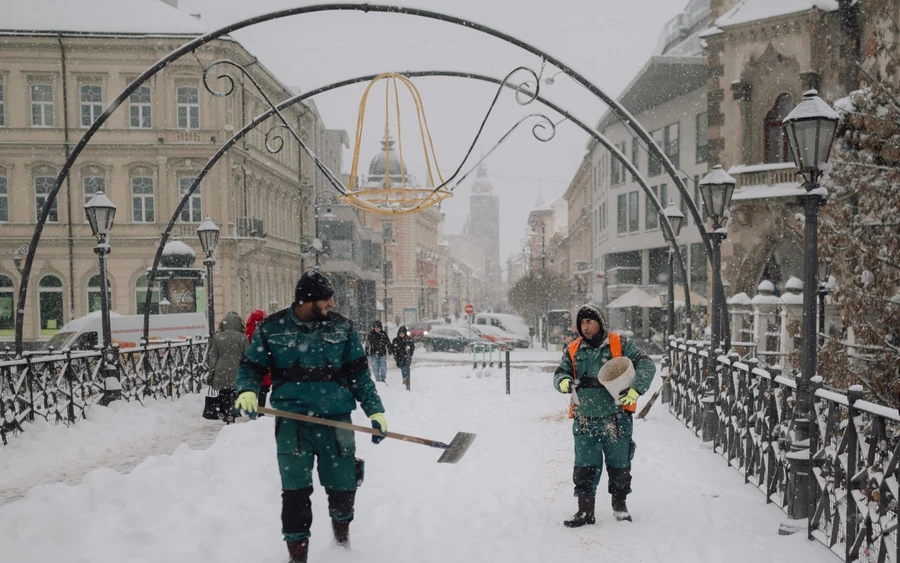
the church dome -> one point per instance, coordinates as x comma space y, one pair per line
378, 168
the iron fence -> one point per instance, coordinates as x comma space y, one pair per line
855, 446
59, 387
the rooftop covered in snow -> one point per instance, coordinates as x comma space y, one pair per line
748, 11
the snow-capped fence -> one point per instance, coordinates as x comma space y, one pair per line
855, 445
58, 387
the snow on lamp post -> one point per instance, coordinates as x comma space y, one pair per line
717, 187
208, 233
810, 128
676, 220
100, 213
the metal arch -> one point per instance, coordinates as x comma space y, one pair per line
616, 108
667, 228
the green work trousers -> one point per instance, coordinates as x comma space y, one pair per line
599, 438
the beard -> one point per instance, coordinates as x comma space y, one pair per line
320, 310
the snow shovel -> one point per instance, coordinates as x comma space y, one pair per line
453, 452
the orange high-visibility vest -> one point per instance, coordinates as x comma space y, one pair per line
615, 348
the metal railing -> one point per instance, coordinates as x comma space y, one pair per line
855, 446
59, 387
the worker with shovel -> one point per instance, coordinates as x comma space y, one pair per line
318, 368
605, 374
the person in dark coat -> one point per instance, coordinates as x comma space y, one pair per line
404, 347
378, 345
223, 359
254, 318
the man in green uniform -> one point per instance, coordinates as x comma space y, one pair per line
318, 368
603, 423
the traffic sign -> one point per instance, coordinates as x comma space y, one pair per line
470, 309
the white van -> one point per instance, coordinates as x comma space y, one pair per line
127, 330
509, 323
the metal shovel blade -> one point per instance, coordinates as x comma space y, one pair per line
458, 447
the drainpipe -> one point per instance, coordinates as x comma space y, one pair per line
65, 90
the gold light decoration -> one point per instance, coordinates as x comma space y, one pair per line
392, 194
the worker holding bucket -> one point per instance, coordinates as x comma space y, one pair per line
605, 373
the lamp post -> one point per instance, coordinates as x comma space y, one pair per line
101, 212
208, 233
824, 278
717, 187
676, 219
810, 129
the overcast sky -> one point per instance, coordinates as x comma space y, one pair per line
608, 41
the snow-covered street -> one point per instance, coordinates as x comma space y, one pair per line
217, 497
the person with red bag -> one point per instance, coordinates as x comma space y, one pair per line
253, 320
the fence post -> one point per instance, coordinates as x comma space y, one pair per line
855, 393
507, 372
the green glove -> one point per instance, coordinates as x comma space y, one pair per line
378, 423
246, 401
565, 384
629, 398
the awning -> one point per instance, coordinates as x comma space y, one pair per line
655, 301
633, 298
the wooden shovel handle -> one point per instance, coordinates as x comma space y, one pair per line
353, 427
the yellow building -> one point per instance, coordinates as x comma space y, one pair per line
57, 74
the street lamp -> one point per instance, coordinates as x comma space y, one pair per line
208, 233
676, 220
100, 213
164, 305
810, 128
717, 187
824, 278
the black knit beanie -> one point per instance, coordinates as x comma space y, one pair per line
313, 285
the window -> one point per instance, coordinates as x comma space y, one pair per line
654, 167
91, 103
702, 140
697, 269
622, 214
776, 140
191, 213
387, 230
188, 105
7, 319
41, 105
388, 270
140, 296
2, 107
43, 185
4, 200
616, 169
142, 200
673, 143
92, 185
94, 294
633, 211
651, 218
50, 301
140, 116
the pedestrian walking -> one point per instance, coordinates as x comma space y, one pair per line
255, 316
603, 424
224, 356
318, 368
378, 345
404, 347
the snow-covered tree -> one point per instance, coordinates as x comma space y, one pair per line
539, 292
860, 225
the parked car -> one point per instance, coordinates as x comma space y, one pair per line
417, 331
500, 336
509, 323
473, 338
443, 339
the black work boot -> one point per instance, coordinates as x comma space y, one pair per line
341, 533
585, 514
298, 551
620, 509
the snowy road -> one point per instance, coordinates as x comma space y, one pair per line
504, 502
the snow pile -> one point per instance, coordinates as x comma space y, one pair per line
503, 503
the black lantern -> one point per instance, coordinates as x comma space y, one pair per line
717, 187
100, 212
208, 233
675, 217
810, 128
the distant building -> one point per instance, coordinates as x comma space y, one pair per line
484, 225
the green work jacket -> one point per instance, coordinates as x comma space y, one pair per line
594, 399
318, 368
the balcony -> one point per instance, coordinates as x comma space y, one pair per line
250, 227
764, 174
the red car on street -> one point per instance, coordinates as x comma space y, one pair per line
417, 331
